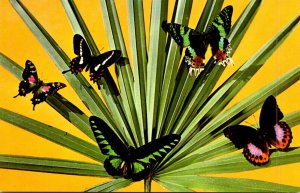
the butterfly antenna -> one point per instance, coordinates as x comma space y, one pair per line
16, 95
101, 49
250, 124
66, 71
257, 126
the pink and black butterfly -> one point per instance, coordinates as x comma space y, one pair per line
256, 142
196, 42
96, 64
31, 83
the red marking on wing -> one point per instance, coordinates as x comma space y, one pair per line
220, 55
255, 155
197, 62
283, 136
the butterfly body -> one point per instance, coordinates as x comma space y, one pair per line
32, 83
256, 142
96, 64
126, 161
197, 42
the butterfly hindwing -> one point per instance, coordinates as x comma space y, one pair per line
41, 93
108, 142
278, 133
113, 165
100, 63
255, 149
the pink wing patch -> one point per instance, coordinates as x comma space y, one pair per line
283, 136
255, 155
31, 79
46, 88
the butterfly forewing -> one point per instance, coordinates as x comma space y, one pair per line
240, 135
30, 71
30, 79
108, 142
270, 113
222, 23
156, 150
100, 63
80, 46
180, 33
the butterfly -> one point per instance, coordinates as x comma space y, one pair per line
196, 43
96, 64
126, 161
256, 143
31, 83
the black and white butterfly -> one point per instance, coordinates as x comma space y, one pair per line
256, 142
96, 64
196, 42
126, 161
31, 83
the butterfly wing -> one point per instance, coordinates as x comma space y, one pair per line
84, 55
108, 142
30, 79
195, 52
277, 133
42, 92
270, 113
219, 29
111, 145
151, 153
255, 148
181, 34
100, 63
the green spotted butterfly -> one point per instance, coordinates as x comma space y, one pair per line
196, 43
126, 161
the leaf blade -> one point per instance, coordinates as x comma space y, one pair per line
52, 134
50, 165
110, 185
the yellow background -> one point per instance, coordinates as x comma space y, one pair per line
18, 43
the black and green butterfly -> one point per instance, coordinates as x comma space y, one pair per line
126, 161
196, 43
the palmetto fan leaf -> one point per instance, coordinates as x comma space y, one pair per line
151, 95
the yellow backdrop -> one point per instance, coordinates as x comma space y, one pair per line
18, 43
